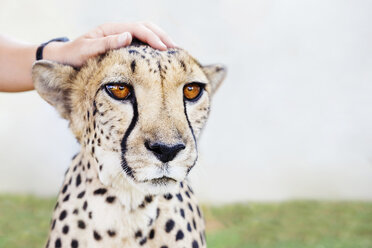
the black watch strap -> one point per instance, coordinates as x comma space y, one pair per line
39, 51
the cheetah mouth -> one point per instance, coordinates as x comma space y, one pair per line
162, 181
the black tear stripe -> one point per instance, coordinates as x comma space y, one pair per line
128, 170
132, 124
193, 135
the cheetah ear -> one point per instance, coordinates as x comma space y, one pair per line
216, 74
53, 83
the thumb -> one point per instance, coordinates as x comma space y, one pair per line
123, 40
113, 42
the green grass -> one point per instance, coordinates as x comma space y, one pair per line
24, 222
292, 224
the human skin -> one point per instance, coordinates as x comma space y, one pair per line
17, 58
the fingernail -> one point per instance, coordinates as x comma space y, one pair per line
122, 39
162, 45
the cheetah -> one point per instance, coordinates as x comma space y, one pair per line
137, 114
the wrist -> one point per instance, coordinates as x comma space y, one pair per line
54, 51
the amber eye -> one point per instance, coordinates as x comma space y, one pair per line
119, 91
192, 91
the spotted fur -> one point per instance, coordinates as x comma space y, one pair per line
117, 192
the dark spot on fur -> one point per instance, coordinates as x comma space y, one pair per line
81, 224
190, 207
182, 212
62, 215
182, 63
195, 244
179, 235
143, 241
148, 198
74, 243
179, 196
100, 191
133, 52
150, 222
81, 194
66, 198
78, 180
111, 233
169, 225
198, 210
157, 212
152, 234
64, 188
94, 110
201, 238
65, 229
133, 66
110, 199
96, 235
138, 234
58, 243
190, 189
168, 196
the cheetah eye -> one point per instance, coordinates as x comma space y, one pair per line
193, 91
119, 91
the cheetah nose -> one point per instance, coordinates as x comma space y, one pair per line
163, 152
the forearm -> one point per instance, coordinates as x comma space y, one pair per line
16, 59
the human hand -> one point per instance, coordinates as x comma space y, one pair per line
105, 37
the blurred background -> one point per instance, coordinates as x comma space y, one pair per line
292, 121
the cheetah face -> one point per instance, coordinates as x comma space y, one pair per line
138, 112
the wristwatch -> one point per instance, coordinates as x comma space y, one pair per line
39, 51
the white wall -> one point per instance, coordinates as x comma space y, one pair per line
293, 119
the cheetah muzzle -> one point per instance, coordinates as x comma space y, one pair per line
137, 114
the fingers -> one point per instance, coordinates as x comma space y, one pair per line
148, 36
161, 34
104, 44
144, 31
113, 36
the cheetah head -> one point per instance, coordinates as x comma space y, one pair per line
138, 112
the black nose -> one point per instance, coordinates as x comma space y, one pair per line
164, 153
